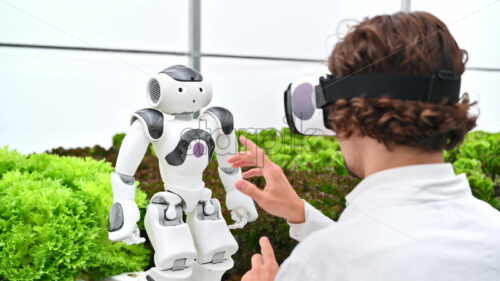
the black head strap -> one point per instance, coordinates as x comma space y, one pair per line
443, 85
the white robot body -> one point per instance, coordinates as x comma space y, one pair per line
200, 248
172, 244
186, 179
211, 235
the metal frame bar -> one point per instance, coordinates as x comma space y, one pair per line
154, 52
406, 6
195, 34
92, 49
194, 54
173, 53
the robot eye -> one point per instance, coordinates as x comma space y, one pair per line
181, 89
201, 90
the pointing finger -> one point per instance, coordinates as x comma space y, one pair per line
267, 250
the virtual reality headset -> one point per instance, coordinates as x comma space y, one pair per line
306, 100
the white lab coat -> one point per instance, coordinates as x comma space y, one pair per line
410, 223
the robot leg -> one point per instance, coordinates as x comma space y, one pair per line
171, 239
214, 242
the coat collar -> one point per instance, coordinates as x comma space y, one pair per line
408, 185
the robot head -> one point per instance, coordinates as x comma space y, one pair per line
178, 89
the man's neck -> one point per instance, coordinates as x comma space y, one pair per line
377, 157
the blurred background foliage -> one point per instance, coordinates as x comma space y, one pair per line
63, 228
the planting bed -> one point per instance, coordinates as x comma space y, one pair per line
325, 190
62, 231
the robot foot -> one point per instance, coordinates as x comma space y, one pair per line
155, 274
211, 271
198, 272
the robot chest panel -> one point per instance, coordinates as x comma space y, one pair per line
185, 147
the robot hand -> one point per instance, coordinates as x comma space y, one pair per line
242, 208
123, 219
134, 237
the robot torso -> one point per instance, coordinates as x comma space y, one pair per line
184, 147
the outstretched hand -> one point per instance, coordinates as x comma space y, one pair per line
278, 197
264, 265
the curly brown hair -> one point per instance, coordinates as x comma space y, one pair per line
407, 43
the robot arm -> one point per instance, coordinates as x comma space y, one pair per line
124, 213
242, 207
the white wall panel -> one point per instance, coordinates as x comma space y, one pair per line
281, 27
128, 24
70, 99
474, 24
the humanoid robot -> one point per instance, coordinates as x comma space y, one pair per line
200, 249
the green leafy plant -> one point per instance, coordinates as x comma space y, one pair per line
54, 218
296, 152
479, 159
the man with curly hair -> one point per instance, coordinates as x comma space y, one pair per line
411, 217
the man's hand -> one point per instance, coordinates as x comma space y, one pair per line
278, 197
264, 266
